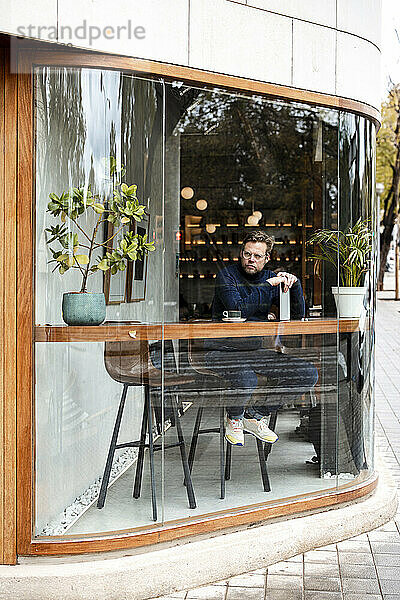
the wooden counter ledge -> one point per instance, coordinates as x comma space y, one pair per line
187, 330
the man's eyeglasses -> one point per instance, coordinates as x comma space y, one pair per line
257, 257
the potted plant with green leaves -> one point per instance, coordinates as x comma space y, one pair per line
349, 251
81, 245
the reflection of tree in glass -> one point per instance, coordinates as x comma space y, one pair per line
250, 150
243, 153
63, 127
142, 110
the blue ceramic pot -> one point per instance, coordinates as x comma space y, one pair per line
83, 308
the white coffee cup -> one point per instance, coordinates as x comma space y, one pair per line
232, 314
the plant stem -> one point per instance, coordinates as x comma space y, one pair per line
78, 266
92, 244
106, 242
80, 229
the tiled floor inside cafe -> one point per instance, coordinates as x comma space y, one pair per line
288, 470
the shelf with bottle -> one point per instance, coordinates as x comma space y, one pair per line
281, 253
235, 259
211, 243
202, 250
280, 225
214, 275
208, 260
232, 234
234, 238
276, 225
239, 243
197, 275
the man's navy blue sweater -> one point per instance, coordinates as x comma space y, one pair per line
252, 294
254, 297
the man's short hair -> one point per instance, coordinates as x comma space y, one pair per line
259, 236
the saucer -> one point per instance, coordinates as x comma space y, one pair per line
233, 319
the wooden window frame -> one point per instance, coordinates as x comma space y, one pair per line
19, 167
8, 295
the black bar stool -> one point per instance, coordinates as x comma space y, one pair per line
213, 384
130, 363
263, 449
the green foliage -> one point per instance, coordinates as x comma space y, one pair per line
78, 247
132, 247
388, 172
386, 144
348, 250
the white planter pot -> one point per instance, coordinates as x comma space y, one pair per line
349, 301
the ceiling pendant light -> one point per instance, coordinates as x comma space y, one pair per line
201, 204
210, 228
257, 214
252, 220
187, 193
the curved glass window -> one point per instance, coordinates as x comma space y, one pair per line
233, 238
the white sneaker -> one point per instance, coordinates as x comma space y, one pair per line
234, 431
259, 428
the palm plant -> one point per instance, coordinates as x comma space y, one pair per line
349, 251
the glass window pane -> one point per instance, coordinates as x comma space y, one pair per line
357, 226
99, 198
223, 389
246, 164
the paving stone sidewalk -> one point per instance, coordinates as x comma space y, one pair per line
366, 567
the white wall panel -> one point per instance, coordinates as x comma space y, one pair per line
18, 15
361, 17
235, 39
269, 40
323, 13
314, 57
165, 24
358, 69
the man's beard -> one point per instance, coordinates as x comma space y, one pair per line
251, 272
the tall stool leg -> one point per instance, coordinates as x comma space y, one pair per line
107, 470
139, 465
221, 450
186, 471
263, 465
195, 437
151, 451
228, 461
272, 425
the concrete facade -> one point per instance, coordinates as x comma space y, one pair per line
330, 47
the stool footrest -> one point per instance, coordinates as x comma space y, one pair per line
129, 445
263, 449
166, 446
146, 433
209, 430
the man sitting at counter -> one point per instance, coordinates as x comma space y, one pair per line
252, 289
